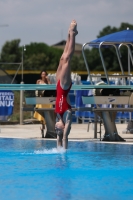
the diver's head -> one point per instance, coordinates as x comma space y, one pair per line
59, 127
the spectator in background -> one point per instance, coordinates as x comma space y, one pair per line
41, 93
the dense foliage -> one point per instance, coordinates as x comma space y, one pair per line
40, 56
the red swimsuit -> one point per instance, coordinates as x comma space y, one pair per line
61, 99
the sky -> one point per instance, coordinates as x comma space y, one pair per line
48, 20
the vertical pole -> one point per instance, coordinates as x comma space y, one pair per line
21, 105
22, 66
129, 70
95, 125
129, 79
21, 94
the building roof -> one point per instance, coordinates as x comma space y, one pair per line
61, 45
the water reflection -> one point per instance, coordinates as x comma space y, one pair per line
7, 144
101, 155
63, 181
54, 174
94, 155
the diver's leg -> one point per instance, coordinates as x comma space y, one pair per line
68, 120
58, 73
65, 143
65, 76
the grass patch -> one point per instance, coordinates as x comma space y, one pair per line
15, 117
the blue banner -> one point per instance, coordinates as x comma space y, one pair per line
6, 102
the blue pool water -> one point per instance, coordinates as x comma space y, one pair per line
35, 170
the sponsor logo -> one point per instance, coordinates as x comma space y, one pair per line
111, 99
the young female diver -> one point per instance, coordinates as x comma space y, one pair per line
64, 83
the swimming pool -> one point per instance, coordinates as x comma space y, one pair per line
34, 169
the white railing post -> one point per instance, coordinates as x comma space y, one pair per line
21, 104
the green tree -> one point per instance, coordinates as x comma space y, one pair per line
39, 56
11, 54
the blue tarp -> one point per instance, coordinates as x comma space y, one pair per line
121, 36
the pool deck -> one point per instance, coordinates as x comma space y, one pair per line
78, 132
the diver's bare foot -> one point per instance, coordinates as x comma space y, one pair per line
73, 27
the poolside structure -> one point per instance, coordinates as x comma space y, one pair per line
5, 77
111, 97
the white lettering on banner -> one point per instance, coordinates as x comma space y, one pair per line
2, 97
6, 93
6, 103
9, 98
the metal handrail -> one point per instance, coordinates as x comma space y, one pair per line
53, 87
99, 45
103, 62
87, 67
